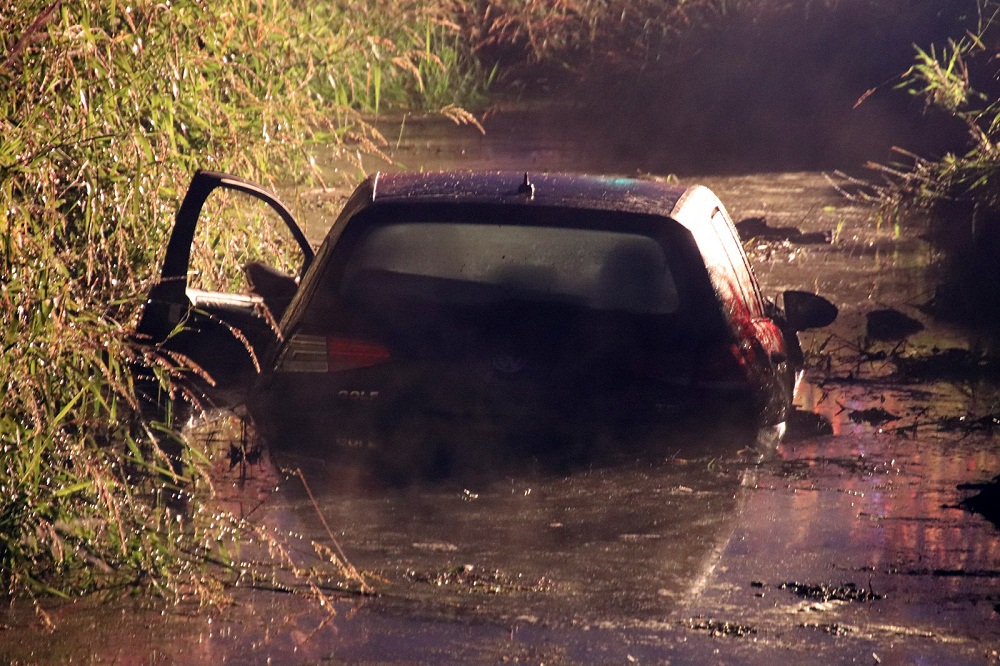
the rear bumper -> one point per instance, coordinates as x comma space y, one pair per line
357, 420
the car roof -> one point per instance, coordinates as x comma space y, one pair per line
632, 195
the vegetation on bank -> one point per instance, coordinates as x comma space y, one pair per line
106, 109
574, 34
959, 190
958, 79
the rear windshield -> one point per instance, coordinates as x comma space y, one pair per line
455, 262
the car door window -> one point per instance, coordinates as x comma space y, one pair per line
229, 271
234, 231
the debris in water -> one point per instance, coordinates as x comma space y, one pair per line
967, 424
890, 325
803, 424
757, 227
949, 363
719, 627
986, 502
832, 629
436, 546
466, 578
872, 416
844, 592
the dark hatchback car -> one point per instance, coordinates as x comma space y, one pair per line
450, 315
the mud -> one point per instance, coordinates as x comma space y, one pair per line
852, 542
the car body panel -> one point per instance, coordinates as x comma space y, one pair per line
547, 396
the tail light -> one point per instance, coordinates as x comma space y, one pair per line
346, 354
722, 367
314, 353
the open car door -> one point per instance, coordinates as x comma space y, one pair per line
212, 338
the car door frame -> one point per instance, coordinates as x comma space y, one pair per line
214, 344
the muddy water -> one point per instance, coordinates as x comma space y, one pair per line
843, 546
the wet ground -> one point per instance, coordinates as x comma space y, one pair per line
846, 545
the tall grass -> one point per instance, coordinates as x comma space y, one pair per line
960, 190
105, 111
947, 78
392, 54
576, 34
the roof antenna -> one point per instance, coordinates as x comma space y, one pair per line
527, 187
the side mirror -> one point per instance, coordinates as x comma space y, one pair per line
804, 310
274, 286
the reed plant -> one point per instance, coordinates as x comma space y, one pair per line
959, 191
106, 109
576, 34
947, 78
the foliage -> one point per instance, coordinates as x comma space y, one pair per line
960, 190
945, 78
578, 33
105, 111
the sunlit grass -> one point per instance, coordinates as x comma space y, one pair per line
632, 34
106, 109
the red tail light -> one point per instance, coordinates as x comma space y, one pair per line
722, 367
347, 354
314, 353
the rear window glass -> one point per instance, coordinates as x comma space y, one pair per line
463, 262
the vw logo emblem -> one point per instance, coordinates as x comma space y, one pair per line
508, 363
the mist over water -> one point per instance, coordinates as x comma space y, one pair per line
770, 91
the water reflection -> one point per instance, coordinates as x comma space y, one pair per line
611, 544
878, 510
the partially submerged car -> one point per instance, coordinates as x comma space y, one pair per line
451, 313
